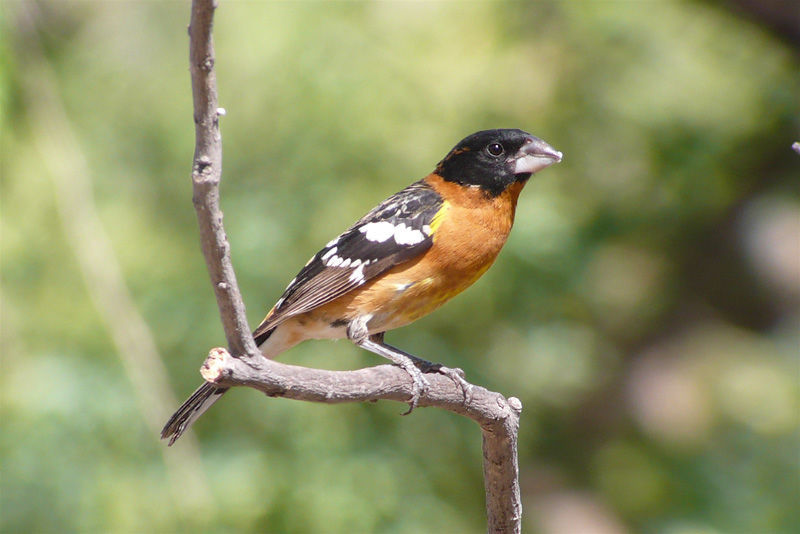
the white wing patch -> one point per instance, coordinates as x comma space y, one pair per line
406, 235
377, 231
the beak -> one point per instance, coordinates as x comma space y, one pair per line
534, 156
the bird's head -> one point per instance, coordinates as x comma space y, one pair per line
494, 159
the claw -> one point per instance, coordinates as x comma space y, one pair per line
457, 375
420, 385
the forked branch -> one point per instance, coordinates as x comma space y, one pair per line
497, 416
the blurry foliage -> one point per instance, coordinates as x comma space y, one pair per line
645, 310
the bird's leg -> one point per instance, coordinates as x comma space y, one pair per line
358, 333
423, 365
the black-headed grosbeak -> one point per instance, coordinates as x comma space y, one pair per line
409, 255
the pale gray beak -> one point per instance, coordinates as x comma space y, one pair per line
534, 156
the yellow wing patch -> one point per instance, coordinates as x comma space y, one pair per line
436, 222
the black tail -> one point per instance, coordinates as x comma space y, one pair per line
200, 401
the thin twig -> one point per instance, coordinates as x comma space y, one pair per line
497, 416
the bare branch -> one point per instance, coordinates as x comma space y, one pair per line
383, 382
501, 469
206, 174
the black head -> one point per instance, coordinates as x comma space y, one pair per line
495, 159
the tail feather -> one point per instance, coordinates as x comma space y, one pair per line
200, 401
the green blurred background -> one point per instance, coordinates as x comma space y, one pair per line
646, 309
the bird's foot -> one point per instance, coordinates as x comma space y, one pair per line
453, 373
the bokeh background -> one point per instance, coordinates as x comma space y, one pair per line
646, 309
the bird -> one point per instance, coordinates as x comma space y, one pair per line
405, 258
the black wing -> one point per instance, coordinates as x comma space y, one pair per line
398, 229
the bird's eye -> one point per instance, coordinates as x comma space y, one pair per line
495, 149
